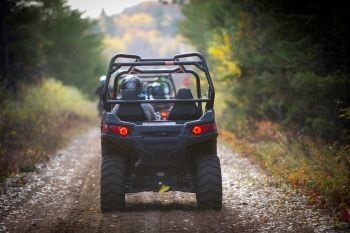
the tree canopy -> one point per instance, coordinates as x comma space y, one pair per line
277, 60
42, 38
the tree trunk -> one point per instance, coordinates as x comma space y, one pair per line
4, 36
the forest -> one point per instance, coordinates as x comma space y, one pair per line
282, 68
45, 38
49, 66
282, 61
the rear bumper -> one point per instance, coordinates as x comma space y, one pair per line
156, 161
153, 151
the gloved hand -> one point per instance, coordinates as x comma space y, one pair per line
158, 116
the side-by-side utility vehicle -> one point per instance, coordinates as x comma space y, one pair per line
176, 151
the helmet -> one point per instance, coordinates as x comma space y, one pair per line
131, 82
157, 90
102, 79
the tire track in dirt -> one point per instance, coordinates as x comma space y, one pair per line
66, 199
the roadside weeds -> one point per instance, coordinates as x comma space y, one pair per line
320, 171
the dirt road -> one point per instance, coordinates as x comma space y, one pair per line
64, 197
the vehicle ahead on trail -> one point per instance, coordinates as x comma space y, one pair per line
155, 86
159, 87
176, 152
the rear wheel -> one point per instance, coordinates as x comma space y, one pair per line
112, 183
209, 184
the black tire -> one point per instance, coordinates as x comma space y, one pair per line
209, 183
112, 183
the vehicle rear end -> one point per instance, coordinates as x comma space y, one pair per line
173, 153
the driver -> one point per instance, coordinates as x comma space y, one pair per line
99, 93
133, 83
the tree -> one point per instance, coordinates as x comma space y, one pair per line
21, 56
44, 38
72, 51
293, 59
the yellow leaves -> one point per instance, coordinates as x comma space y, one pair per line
221, 50
302, 162
216, 52
138, 20
220, 47
113, 45
50, 98
164, 188
299, 176
13, 133
293, 180
35, 121
140, 33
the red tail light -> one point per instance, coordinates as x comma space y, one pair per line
116, 129
121, 130
197, 130
164, 115
203, 128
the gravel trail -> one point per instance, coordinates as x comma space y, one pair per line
64, 197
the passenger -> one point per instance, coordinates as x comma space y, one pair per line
158, 90
99, 93
133, 83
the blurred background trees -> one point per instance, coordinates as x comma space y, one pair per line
282, 69
274, 60
44, 38
280, 61
44, 44
284, 61
148, 29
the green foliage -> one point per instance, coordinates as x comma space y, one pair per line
319, 169
291, 61
32, 122
20, 51
45, 38
72, 51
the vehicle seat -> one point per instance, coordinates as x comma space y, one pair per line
131, 112
184, 110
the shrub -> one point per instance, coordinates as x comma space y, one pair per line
33, 120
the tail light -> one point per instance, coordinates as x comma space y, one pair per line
116, 129
203, 128
164, 115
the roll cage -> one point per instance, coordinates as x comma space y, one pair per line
193, 60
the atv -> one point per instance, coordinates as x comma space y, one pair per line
173, 153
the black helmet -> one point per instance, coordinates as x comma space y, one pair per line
102, 79
132, 83
157, 90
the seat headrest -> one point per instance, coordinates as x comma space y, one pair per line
184, 110
184, 93
131, 111
130, 95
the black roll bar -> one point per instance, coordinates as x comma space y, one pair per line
175, 61
157, 101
